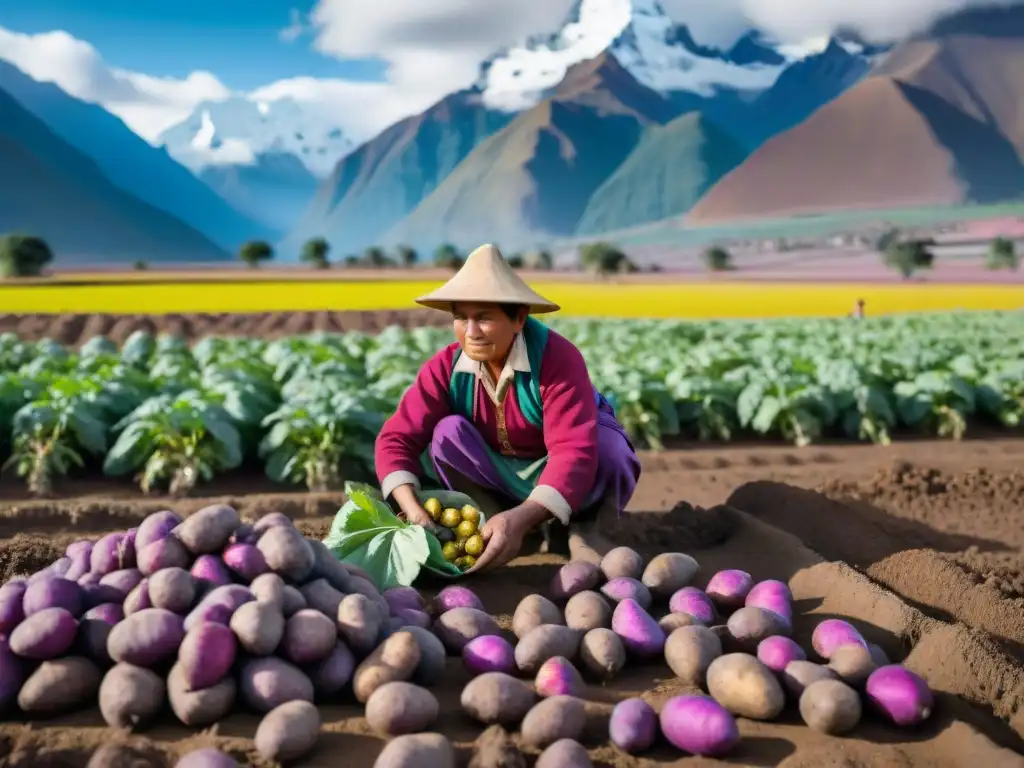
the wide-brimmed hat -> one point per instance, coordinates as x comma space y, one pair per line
488, 279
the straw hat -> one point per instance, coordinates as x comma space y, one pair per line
487, 278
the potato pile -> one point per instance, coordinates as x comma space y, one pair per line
211, 612
464, 544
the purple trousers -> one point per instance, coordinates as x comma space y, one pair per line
459, 454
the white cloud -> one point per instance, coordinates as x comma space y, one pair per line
296, 27
147, 104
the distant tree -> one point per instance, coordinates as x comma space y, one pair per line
909, 257
1002, 254
887, 239
255, 251
314, 252
23, 255
515, 260
140, 265
539, 260
447, 256
375, 257
407, 255
717, 259
602, 258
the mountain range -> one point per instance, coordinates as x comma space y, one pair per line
616, 119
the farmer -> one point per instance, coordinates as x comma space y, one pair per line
508, 415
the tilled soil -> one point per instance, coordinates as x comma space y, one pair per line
920, 544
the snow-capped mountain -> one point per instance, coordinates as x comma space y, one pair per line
659, 53
239, 130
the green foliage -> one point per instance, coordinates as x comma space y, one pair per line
315, 252
407, 255
538, 260
310, 407
717, 259
515, 260
23, 256
1002, 254
909, 257
603, 258
447, 256
376, 257
140, 265
887, 239
255, 251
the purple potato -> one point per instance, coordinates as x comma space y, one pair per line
269, 682
112, 553
12, 610
409, 617
404, 597
489, 653
573, 577
558, 677
207, 530
167, 552
694, 602
146, 638
207, 654
44, 635
172, 588
79, 548
80, 564
155, 527
124, 580
98, 594
640, 633
245, 560
206, 758
332, 674
834, 633
699, 725
55, 592
92, 638
108, 612
309, 637
58, 568
271, 520
776, 652
219, 605
633, 726
730, 587
624, 587
12, 675
211, 569
899, 694
456, 597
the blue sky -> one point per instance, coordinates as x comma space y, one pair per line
238, 40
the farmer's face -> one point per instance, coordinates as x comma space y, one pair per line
485, 332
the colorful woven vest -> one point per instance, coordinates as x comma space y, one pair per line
462, 386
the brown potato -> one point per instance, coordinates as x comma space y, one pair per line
532, 611
587, 610
496, 698
60, 685
417, 750
602, 653
673, 621
799, 674
669, 572
398, 708
829, 706
689, 651
622, 562
394, 659
853, 664
564, 753
554, 718
288, 731
130, 696
750, 625
458, 626
359, 623
202, 707
543, 643
744, 686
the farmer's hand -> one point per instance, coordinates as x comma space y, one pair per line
503, 534
411, 509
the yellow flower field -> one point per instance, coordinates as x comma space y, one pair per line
666, 299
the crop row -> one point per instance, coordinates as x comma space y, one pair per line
308, 408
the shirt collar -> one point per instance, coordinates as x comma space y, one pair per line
518, 360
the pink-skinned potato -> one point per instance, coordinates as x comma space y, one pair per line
123, 580
398, 707
53, 592
47, 634
155, 527
633, 725
245, 561
834, 633
269, 682
207, 757
207, 654
111, 613
771, 601
288, 731
770, 587
211, 569
167, 552
776, 652
573, 577
900, 695
200, 707
60, 685
404, 597
558, 677
694, 602
730, 587
454, 596
112, 552
146, 638
623, 588
699, 725
130, 696
640, 633
555, 718
488, 653
207, 530
12, 610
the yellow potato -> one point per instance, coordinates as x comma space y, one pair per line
450, 551
475, 545
471, 514
450, 518
465, 529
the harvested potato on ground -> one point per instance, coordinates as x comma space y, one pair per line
398, 708
173, 589
458, 626
622, 588
622, 562
799, 674
497, 698
432, 656
543, 643
287, 552
830, 706
208, 529
532, 612
602, 653
689, 652
266, 683
268, 588
564, 753
745, 686
393, 660
749, 626
204, 706
60, 685
417, 750
309, 637
853, 664
259, 627
130, 696
321, 596
586, 611
673, 621
557, 717
558, 677
359, 623
495, 749
201, 758
669, 572
288, 731
574, 577
331, 676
